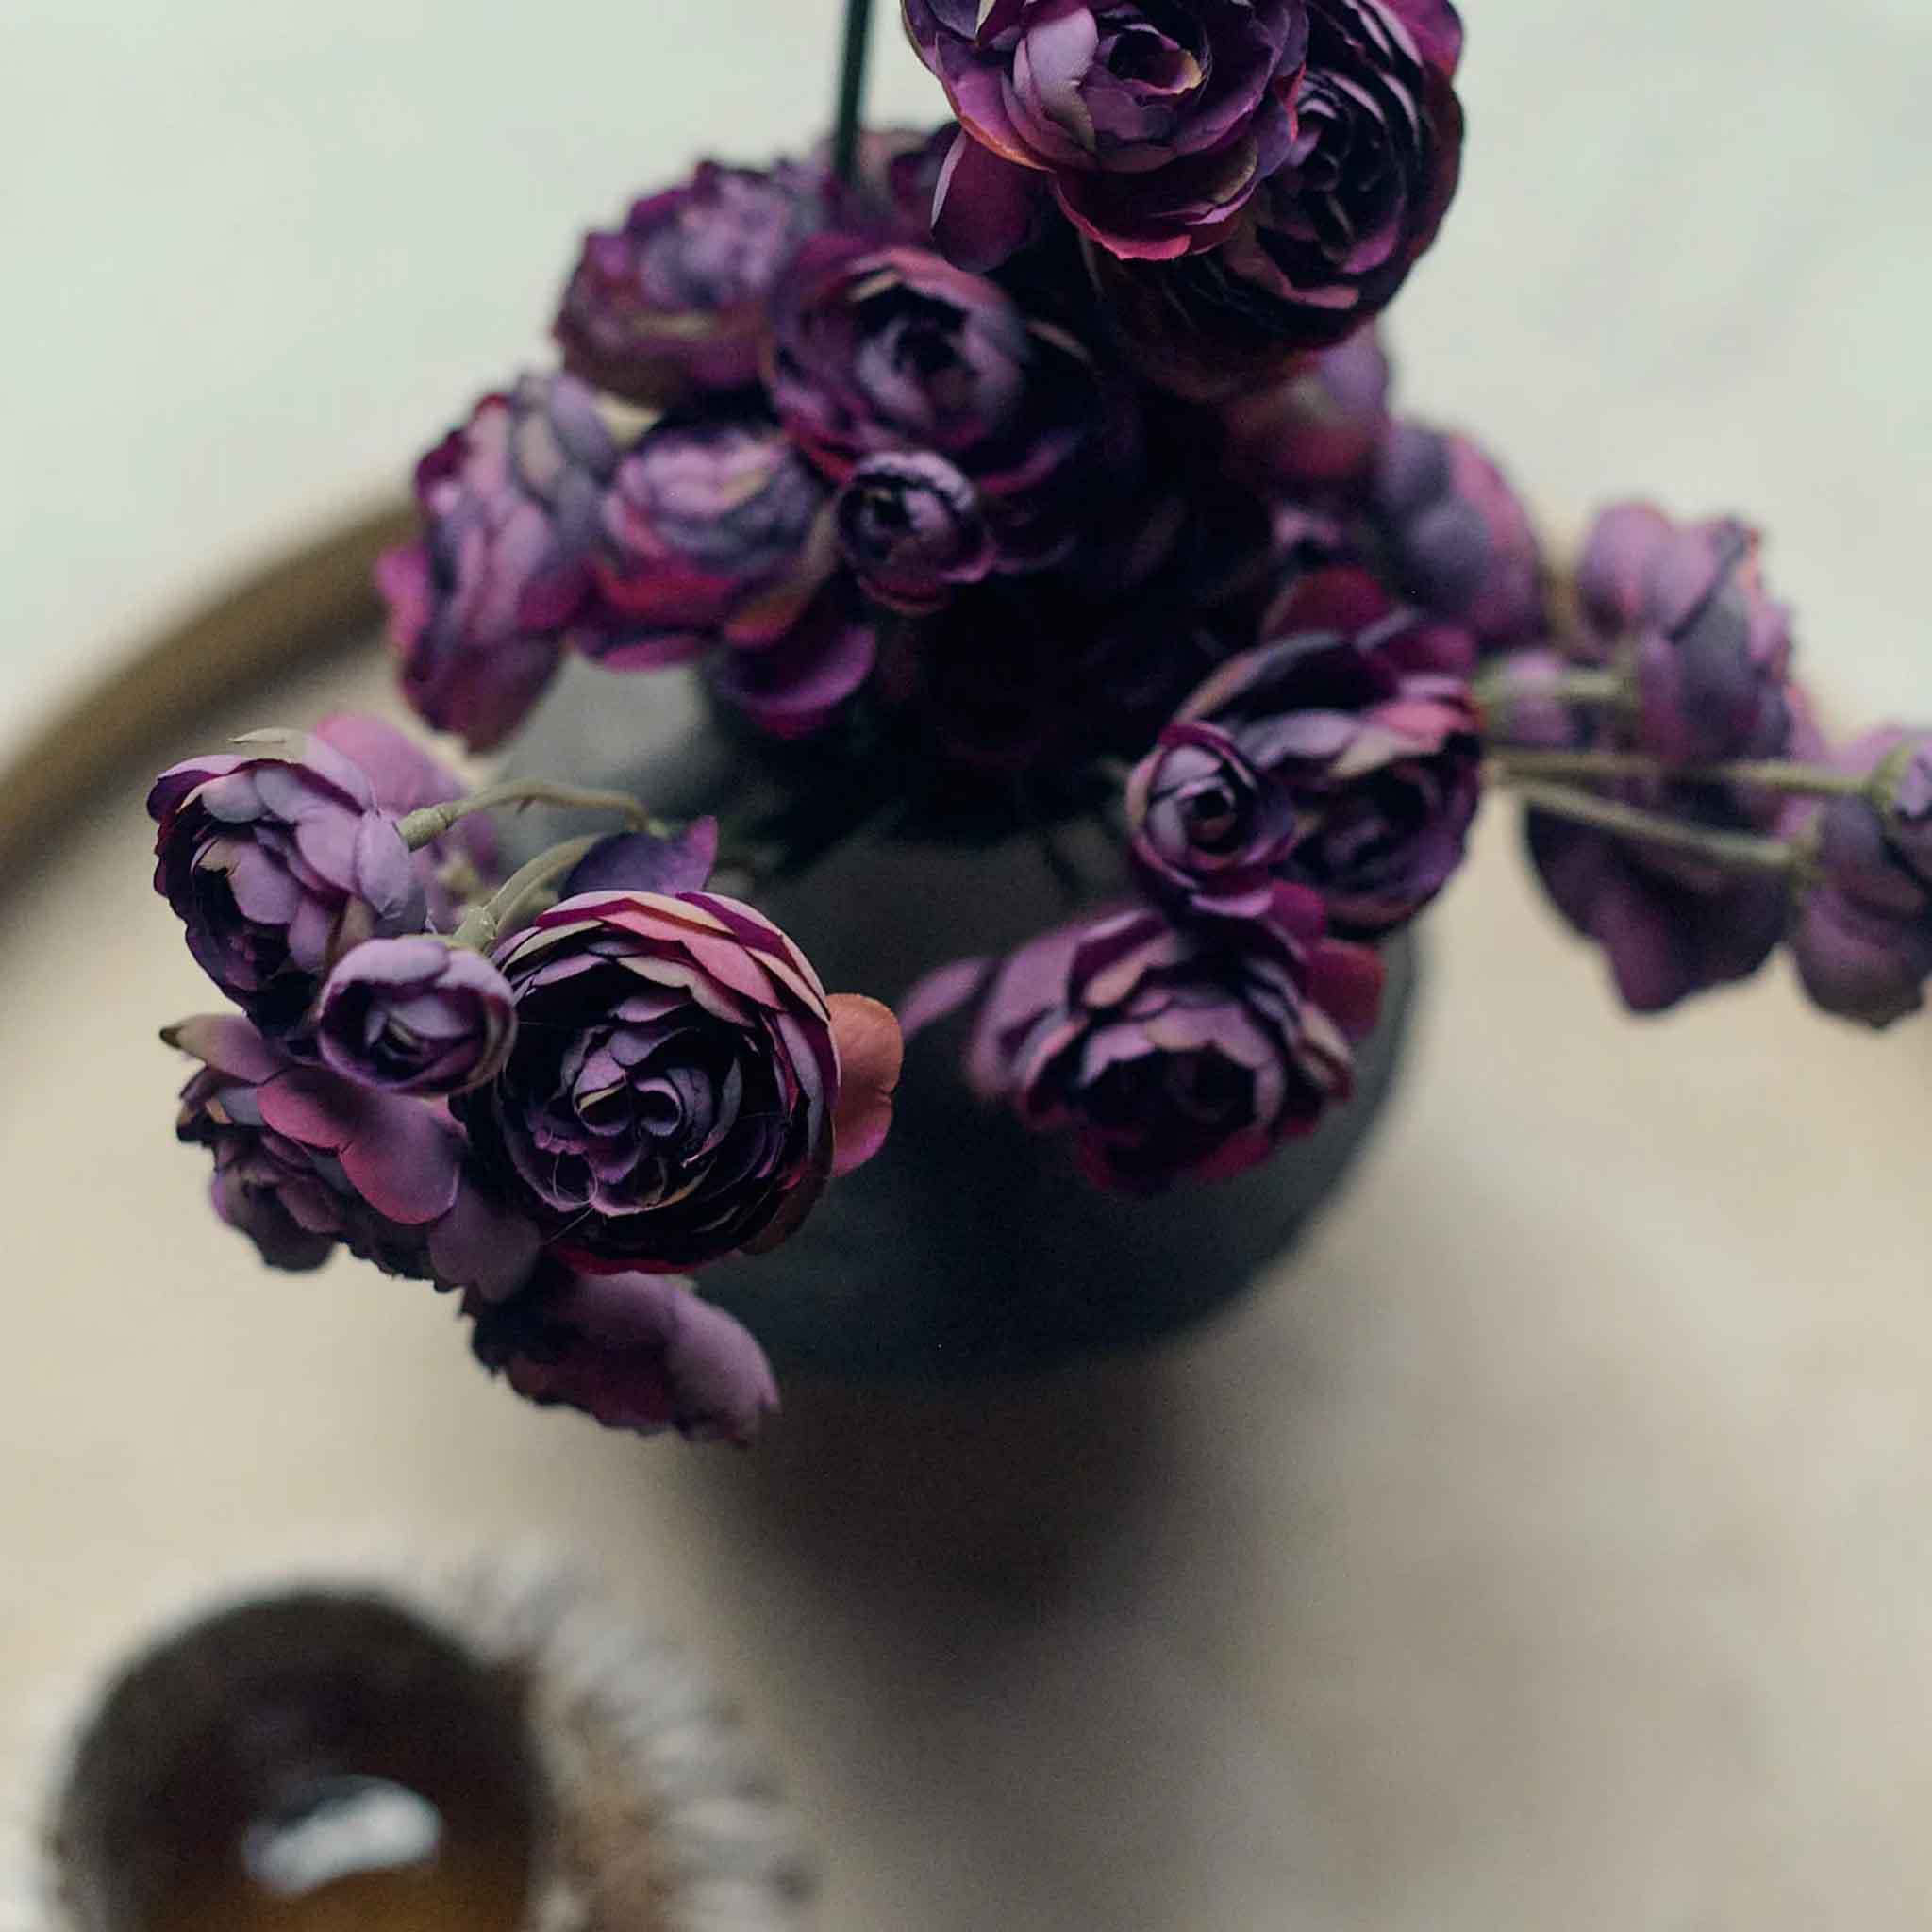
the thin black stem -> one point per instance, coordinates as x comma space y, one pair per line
851, 88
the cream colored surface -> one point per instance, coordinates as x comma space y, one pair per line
1547, 1547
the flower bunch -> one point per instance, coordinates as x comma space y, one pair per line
606, 1076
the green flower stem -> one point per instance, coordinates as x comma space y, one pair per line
1495, 691
1766, 775
845, 124
423, 827
484, 925
1737, 851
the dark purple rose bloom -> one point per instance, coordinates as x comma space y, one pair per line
306, 1162
681, 1086
1458, 538
482, 605
415, 1016
1176, 1052
716, 529
1343, 761
675, 300
1863, 938
1684, 607
795, 686
466, 863
1318, 428
1153, 122
276, 862
910, 526
1331, 235
883, 351
639, 1352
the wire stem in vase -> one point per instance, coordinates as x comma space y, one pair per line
851, 88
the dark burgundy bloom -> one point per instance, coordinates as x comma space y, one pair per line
464, 863
681, 1086
1174, 1051
482, 605
639, 1352
306, 1162
1206, 822
1331, 235
1459, 541
1367, 766
716, 529
276, 862
1154, 121
795, 686
415, 1016
910, 525
1683, 608
1863, 937
1318, 428
884, 351
675, 300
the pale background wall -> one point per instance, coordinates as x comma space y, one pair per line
255, 255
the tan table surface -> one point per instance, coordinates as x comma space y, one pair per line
1548, 1546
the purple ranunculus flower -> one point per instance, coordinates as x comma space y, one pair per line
1862, 939
910, 526
1459, 537
415, 1016
483, 603
675, 300
1366, 770
716, 529
1153, 122
639, 1352
1331, 235
1684, 608
797, 685
881, 351
681, 1086
1317, 429
278, 861
306, 1162
1176, 1052
463, 865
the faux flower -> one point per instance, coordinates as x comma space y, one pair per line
885, 351
278, 861
681, 1087
674, 301
1863, 937
1318, 428
467, 861
1176, 1052
715, 529
1330, 236
415, 1016
1349, 760
306, 1162
795, 686
1683, 608
639, 1352
482, 605
910, 526
1459, 537
1154, 122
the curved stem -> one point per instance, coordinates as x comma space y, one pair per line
1766, 775
486, 923
1739, 851
1498, 689
851, 88
421, 828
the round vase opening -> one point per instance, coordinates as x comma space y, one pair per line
311, 1762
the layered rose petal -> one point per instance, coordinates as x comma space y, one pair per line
415, 1016
672, 1094
278, 862
1172, 1052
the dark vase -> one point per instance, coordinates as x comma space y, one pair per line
969, 1247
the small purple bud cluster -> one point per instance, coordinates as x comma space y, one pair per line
644, 1078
